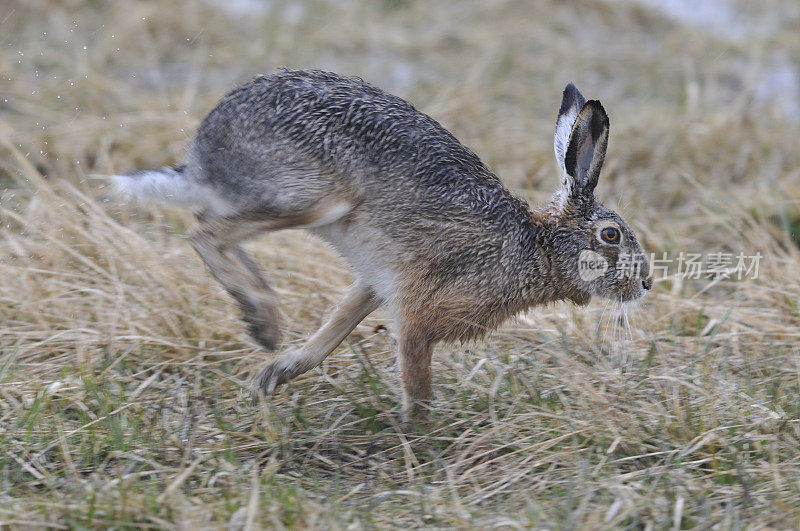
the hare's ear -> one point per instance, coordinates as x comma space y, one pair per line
571, 104
585, 150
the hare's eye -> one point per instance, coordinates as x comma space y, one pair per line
610, 235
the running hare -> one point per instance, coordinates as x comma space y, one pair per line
432, 233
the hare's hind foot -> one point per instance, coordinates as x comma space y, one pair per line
217, 243
359, 302
274, 373
262, 318
288, 365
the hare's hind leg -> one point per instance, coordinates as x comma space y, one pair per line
217, 242
359, 302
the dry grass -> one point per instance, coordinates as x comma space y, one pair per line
121, 361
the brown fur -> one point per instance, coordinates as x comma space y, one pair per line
432, 233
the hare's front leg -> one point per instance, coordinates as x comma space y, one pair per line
359, 302
415, 360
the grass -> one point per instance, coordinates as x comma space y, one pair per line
122, 362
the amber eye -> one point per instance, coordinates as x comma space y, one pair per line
610, 235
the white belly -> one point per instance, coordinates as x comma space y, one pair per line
367, 251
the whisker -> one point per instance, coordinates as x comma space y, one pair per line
634, 315
600, 320
622, 332
608, 323
613, 347
628, 330
623, 320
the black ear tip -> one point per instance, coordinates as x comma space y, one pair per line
571, 98
597, 107
571, 93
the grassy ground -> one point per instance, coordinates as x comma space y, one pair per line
122, 362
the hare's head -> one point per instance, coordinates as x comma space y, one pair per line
597, 250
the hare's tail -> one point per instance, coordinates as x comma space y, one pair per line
170, 186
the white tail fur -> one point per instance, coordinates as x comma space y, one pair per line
170, 186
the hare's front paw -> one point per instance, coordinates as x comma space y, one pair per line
416, 418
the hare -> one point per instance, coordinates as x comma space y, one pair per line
433, 235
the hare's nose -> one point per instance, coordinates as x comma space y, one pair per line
647, 283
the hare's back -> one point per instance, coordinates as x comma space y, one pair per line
315, 126
339, 123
